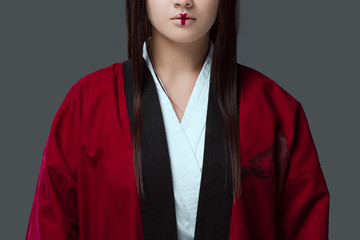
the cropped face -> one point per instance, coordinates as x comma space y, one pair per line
182, 21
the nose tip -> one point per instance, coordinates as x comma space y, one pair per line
183, 3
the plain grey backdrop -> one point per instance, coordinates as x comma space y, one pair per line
309, 47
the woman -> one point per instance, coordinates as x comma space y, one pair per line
180, 141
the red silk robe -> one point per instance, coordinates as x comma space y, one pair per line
86, 187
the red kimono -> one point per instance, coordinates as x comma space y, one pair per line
86, 187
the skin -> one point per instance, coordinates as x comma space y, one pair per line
180, 51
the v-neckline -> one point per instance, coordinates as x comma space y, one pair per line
201, 79
198, 87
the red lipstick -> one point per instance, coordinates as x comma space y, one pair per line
183, 19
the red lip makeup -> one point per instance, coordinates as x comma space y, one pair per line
183, 19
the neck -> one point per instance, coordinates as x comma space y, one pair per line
175, 60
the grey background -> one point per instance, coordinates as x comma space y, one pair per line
309, 47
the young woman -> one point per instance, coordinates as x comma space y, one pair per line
180, 142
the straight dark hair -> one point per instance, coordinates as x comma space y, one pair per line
224, 78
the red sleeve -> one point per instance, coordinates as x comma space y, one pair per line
304, 206
54, 209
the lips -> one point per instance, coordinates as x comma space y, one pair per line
183, 16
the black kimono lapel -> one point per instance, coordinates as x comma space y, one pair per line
158, 208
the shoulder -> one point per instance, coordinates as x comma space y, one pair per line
257, 88
100, 81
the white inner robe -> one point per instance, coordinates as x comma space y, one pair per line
186, 145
